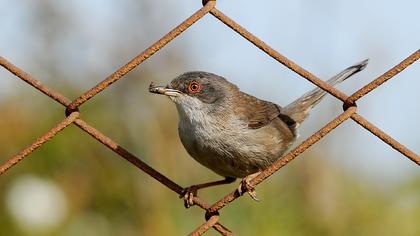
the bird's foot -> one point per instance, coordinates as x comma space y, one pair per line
188, 195
247, 187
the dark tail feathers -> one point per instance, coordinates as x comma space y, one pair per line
299, 109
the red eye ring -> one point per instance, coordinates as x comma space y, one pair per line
194, 87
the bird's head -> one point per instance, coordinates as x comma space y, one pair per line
197, 91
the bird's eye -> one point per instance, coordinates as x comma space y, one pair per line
194, 87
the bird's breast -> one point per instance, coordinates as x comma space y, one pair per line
228, 147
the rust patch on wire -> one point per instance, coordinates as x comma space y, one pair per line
212, 214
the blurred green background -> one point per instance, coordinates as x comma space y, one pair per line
347, 184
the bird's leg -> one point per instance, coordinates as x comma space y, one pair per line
190, 192
247, 187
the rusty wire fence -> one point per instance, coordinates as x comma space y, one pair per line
211, 210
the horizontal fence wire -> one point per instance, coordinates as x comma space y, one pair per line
211, 211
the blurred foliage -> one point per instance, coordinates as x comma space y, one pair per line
107, 196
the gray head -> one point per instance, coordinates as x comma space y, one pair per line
197, 90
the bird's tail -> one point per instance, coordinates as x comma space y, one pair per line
299, 109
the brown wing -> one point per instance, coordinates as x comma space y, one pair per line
258, 113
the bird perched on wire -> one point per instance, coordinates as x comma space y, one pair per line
233, 133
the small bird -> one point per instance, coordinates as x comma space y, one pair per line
232, 133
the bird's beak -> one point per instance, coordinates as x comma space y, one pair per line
165, 90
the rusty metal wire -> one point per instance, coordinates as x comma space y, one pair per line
386, 138
383, 78
37, 143
33, 82
74, 118
212, 212
277, 56
114, 77
205, 226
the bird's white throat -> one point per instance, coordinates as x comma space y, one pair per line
191, 109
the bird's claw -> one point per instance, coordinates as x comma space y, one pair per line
188, 195
247, 187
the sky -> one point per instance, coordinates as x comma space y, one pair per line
323, 37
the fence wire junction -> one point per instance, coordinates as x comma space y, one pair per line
211, 211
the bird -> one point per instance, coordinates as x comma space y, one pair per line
232, 133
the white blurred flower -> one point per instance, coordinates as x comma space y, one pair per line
36, 204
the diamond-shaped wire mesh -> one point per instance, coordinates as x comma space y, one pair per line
211, 211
